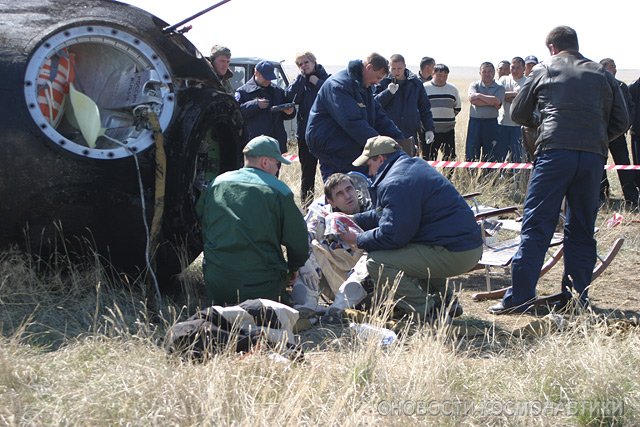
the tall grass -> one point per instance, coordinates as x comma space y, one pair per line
121, 376
80, 347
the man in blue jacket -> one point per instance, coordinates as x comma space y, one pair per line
345, 114
403, 97
420, 227
259, 100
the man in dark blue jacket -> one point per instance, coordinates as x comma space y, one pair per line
420, 227
405, 100
346, 114
303, 91
259, 100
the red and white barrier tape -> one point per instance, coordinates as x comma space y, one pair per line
486, 165
622, 167
479, 165
291, 157
506, 165
618, 219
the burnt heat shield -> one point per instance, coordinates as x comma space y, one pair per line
78, 84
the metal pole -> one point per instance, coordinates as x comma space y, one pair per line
192, 17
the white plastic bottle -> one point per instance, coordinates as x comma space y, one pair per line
367, 331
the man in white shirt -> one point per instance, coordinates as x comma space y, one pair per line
503, 69
445, 106
508, 130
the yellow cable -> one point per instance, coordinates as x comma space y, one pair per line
161, 166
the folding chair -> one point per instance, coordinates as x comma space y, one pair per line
501, 253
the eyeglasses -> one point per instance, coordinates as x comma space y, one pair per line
300, 64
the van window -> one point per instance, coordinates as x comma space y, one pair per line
280, 81
239, 73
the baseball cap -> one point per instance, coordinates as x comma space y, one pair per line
530, 60
374, 147
266, 69
265, 146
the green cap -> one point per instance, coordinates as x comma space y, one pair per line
374, 147
265, 146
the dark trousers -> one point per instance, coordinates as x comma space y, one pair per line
635, 155
620, 154
445, 141
308, 165
482, 140
635, 148
558, 174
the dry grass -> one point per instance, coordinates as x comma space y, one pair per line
78, 348
115, 373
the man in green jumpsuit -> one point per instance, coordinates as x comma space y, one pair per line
247, 215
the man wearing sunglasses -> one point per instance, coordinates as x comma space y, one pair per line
303, 92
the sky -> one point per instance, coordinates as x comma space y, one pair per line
457, 33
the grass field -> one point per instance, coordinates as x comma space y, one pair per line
78, 348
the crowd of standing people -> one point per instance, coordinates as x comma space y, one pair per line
378, 118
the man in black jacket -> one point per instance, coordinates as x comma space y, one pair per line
619, 151
581, 109
303, 91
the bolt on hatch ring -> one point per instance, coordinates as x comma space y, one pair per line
89, 89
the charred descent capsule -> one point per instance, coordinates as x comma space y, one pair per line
77, 156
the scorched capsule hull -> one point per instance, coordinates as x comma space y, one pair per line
79, 84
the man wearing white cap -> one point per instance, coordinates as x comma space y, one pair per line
420, 227
247, 215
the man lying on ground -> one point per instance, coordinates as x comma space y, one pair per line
333, 269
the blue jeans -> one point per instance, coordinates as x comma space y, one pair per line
482, 136
558, 174
509, 140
